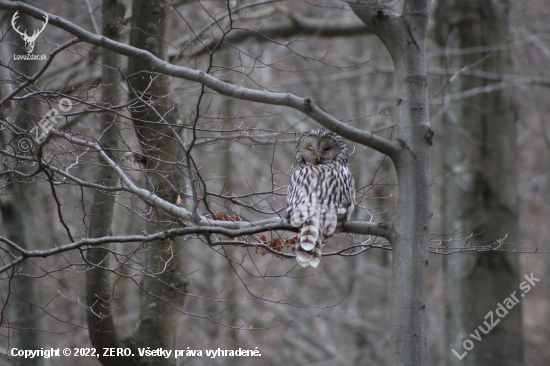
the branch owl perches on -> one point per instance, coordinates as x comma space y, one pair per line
321, 194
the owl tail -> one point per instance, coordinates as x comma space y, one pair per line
308, 248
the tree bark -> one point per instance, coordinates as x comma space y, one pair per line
101, 327
229, 279
405, 38
479, 194
17, 216
158, 319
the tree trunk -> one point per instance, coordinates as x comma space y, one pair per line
17, 217
230, 281
479, 194
158, 318
101, 325
405, 38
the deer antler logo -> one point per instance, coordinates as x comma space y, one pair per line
29, 41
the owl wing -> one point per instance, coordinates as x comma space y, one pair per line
304, 213
338, 199
301, 196
347, 203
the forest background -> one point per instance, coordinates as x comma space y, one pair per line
228, 159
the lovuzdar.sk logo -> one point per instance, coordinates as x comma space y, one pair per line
29, 40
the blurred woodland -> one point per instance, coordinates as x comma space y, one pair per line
125, 136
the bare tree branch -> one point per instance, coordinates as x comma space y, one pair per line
304, 105
298, 26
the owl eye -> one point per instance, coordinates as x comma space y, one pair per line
327, 149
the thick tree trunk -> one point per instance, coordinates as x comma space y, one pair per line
158, 319
17, 217
479, 194
101, 325
405, 38
229, 279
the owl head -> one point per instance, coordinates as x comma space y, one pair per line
321, 147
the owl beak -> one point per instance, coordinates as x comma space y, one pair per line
318, 158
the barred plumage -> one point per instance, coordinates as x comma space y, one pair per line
321, 194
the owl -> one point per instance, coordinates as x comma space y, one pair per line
321, 194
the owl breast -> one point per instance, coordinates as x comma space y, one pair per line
327, 189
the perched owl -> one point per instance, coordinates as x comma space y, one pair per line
321, 194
